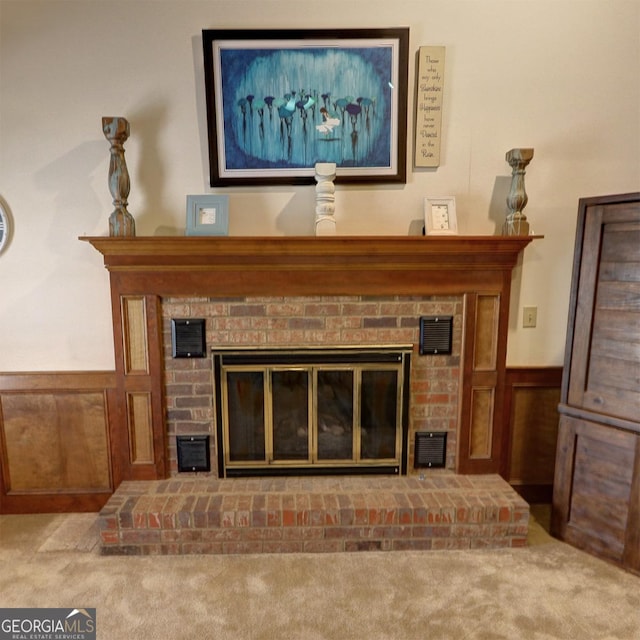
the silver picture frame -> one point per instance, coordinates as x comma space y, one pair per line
440, 216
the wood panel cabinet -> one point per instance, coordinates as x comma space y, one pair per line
596, 502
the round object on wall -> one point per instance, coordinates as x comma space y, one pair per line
5, 226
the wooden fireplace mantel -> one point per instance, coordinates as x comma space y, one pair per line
144, 269
308, 265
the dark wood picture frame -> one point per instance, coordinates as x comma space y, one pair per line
278, 101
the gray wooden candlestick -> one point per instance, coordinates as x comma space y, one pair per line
121, 222
516, 223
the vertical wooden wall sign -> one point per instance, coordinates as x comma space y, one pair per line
429, 91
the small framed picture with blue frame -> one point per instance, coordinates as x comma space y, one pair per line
207, 215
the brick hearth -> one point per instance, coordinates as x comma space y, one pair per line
315, 514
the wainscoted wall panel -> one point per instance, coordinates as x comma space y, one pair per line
134, 330
140, 428
481, 399
532, 396
56, 430
487, 319
481, 423
55, 441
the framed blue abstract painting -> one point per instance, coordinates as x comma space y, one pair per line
280, 101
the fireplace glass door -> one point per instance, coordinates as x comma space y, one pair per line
319, 412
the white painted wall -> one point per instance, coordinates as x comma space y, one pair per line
562, 76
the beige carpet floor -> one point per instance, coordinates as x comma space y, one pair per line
546, 591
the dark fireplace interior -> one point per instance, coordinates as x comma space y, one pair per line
320, 411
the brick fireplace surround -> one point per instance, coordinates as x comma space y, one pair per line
302, 291
319, 321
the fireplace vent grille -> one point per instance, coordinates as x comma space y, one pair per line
435, 335
188, 338
431, 449
193, 453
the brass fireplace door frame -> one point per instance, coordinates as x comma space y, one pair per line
390, 360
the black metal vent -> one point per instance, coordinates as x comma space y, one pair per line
188, 338
193, 453
435, 335
431, 449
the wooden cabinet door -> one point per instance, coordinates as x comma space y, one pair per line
596, 494
604, 374
597, 490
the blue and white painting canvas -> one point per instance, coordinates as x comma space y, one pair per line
283, 106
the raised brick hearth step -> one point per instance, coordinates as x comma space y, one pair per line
319, 514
